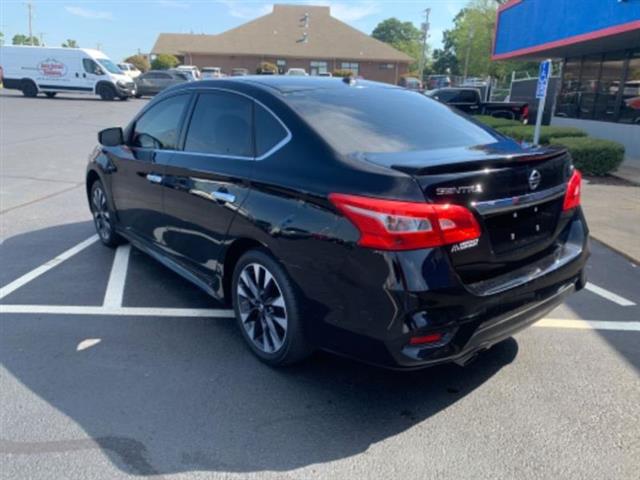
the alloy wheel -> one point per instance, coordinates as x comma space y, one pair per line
101, 215
262, 308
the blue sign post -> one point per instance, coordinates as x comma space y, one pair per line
541, 95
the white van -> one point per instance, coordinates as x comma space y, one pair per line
51, 70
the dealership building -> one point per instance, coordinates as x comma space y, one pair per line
598, 42
291, 36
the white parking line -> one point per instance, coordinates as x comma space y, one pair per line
588, 324
117, 311
612, 297
36, 272
115, 288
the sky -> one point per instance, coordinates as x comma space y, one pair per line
120, 28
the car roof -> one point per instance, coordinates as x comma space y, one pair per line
286, 84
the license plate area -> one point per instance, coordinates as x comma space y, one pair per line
515, 229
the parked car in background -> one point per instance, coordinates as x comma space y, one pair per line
129, 69
470, 101
154, 81
325, 74
191, 70
392, 242
239, 72
52, 70
410, 83
301, 72
438, 81
210, 72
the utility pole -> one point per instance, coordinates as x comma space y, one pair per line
425, 36
30, 12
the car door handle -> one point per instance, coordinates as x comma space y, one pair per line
222, 196
154, 178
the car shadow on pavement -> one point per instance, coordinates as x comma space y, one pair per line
170, 395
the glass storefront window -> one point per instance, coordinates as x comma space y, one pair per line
589, 84
567, 103
630, 106
609, 86
318, 67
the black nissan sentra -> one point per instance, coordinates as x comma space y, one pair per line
350, 216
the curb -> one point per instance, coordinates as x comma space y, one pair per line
628, 257
621, 177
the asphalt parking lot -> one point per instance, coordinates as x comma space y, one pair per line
114, 367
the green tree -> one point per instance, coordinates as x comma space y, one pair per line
403, 36
445, 59
164, 61
472, 40
70, 44
19, 39
267, 68
140, 61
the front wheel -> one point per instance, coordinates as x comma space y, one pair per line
267, 309
50, 94
102, 217
107, 92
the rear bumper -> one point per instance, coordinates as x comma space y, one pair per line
382, 300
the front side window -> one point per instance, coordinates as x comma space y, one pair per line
269, 131
109, 66
159, 127
221, 125
91, 67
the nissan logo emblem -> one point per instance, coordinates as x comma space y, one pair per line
534, 179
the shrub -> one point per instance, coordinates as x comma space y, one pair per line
524, 133
592, 156
266, 68
494, 122
342, 73
140, 62
164, 61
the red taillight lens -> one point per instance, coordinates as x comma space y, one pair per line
572, 196
525, 113
426, 339
397, 225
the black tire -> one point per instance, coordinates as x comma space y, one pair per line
106, 92
138, 95
124, 98
50, 94
29, 89
262, 327
102, 215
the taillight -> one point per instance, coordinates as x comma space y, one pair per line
525, 113
572, 196
426, 339
398, 225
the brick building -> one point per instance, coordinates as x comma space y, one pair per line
299, 36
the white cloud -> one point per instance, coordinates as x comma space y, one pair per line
87, 13
246, 10
173, 4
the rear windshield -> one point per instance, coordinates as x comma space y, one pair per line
376, 120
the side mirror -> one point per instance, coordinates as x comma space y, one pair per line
111, 137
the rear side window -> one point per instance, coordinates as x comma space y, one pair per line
159, 127
376, 120
221, 125
269, 131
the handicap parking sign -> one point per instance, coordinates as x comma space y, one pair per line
543, 79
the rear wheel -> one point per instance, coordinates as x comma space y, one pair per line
102, 218
267, 310
29, 89
50, 94
106, 92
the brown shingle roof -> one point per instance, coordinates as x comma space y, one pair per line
281, 34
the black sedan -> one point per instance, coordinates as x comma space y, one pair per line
154, 81
344, 215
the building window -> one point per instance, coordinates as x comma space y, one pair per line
282, 66
609, 86
601, 87
316, 68
386, 66
630, 105
351, 66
